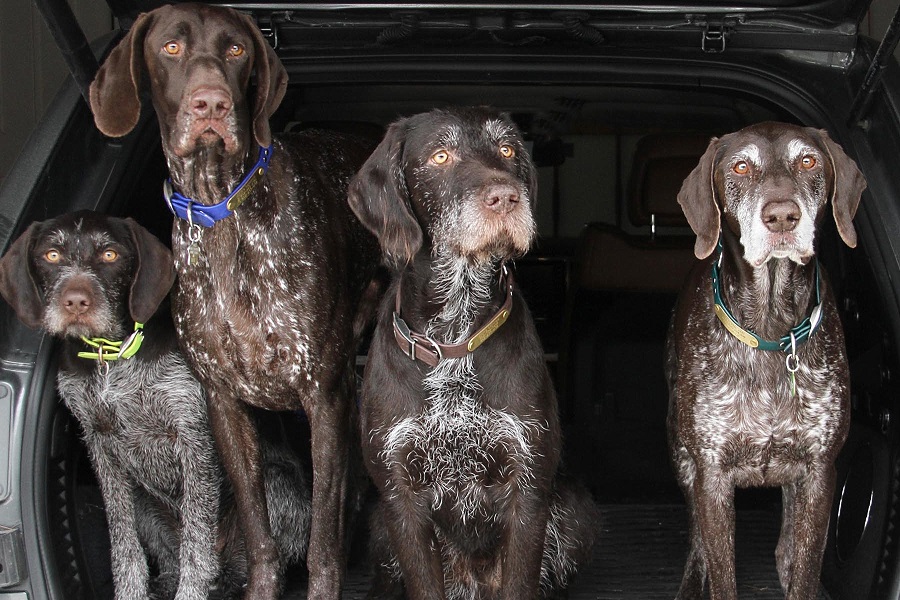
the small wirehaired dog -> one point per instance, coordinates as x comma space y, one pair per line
460, 427
93, 280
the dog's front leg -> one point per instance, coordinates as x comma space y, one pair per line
238, 443
811, 507
523, 545
413, 540
199, 512
129, 564
713, 495
784, 552
329, 419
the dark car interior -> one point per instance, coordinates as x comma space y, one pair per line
614, 248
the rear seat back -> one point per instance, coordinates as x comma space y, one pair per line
624, 286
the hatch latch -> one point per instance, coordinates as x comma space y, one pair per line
270, 30
715, 35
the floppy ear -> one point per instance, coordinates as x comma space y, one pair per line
698, 201
114, 93
17, 285
846, 189
153, 275
271, 83
380, 199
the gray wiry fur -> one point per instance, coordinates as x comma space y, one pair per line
465, 454
459, 434
457, 431
147, 434
144, 419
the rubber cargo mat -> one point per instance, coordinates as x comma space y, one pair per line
640, 556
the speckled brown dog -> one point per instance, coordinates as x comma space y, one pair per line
273, 268
757, 370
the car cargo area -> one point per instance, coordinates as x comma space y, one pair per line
601, 281
613, 130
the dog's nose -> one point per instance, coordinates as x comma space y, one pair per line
210, 103
501, 198
780, 215
76, 301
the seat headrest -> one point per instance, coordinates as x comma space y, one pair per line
609, 259
661, 163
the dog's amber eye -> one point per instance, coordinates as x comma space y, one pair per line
507, 151
808, 162
109, 255
172, 48
53, 255
440, 157
741, 167
236, 50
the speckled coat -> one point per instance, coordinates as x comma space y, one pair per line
271, 313
737, 418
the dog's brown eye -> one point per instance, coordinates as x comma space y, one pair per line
808, 162
110, 255
53, 255
236, 50
172, 48
440, 157
741, 168
507, 151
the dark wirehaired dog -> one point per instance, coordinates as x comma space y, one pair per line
275, 274
758, 377
93, 280
459, 418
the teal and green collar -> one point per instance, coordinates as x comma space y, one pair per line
107, 350
797, 335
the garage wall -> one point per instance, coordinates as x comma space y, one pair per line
32, 69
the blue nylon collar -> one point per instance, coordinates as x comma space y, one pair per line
800, 333
207, 215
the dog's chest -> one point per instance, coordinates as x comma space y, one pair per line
750, 415
136, 418
250, 309
465, 455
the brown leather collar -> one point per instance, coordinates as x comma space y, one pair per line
420, 347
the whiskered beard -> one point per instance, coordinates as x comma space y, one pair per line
99, 320
481, 235
788, 247
761, 245
97, 323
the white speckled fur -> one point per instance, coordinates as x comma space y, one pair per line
736, 418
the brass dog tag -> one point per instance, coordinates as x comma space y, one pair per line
487, 330
243, 193
735, 329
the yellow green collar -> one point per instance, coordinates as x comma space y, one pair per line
108, 350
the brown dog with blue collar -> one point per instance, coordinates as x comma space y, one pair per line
275, 275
